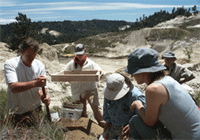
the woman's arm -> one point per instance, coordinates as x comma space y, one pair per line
155, 97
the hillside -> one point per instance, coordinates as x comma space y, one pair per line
175, 35
164, 36
169, 35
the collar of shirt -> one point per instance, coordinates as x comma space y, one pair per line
77, 61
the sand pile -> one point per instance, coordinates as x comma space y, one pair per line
82, 129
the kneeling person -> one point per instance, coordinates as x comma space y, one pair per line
119, 94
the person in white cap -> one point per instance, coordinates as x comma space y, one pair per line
85, 91
176, 71
166, 101
119, 94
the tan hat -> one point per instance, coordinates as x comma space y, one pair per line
116, 87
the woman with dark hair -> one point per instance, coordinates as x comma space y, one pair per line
166, 101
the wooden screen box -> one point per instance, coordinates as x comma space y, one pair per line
76, 76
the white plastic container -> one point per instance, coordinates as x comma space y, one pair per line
73, 114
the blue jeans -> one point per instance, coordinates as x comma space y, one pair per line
139, 130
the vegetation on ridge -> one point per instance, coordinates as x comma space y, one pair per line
71, 31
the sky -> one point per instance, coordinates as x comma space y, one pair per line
81, 10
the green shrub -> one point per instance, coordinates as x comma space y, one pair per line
67, 99
68, 51
188, 52
94, 45
3, 105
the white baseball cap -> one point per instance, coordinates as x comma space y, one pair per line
79, 49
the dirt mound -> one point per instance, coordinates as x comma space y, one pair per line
84, 128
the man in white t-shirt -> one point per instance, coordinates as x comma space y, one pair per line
25, 77
85, 91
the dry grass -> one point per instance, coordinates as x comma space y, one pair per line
43, 130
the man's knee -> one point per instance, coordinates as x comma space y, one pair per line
92, 97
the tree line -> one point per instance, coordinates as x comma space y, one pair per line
162, 16
71, 31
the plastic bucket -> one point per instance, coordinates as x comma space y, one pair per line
73, 114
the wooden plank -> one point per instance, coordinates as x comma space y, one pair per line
81, 72
76, 76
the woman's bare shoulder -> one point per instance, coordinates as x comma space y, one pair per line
155, 87
157, 90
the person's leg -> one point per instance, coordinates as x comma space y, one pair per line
35, 115
93, 100
28, 119
139, 130
84, 101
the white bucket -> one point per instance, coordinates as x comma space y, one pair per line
74, 114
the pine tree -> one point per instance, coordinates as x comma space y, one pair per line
194, 9
21, 29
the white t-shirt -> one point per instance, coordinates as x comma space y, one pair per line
16, 71
81, 88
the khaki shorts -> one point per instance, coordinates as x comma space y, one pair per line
91, 95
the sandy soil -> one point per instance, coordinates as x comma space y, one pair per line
82, 129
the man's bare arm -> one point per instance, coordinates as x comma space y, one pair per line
18, 87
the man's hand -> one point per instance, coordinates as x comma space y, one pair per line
101, 74
46, 100
40, 81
